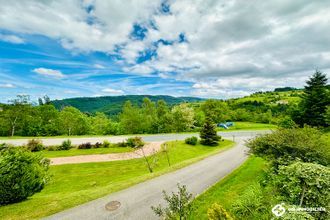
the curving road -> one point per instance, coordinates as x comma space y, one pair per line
137, 200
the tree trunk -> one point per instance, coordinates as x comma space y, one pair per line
302, 196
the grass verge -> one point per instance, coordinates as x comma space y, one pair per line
75, 184
229, 189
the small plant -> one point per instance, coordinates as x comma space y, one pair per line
179, 205
106, 144
22, 174
52, 148
34, 145
66, 145
191, 140
217, 212
97, 145
120, 144
135, 142
87, 145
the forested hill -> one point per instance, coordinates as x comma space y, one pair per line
112, 105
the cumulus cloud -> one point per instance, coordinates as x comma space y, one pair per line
11, 39
7, 85
232, 45
113, 91
49, 73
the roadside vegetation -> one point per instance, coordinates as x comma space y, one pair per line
288, 168
65, 188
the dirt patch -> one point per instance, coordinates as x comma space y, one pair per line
149, 149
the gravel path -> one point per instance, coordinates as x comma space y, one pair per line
149, 148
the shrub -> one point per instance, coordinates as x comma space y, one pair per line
217, 212
191, 140
179, 205
135, 142
305, 184
87, 145
52, 148
252, 203
120, 144
34, 145
106, 144
285, 146
66, 145
22, 174
97, 145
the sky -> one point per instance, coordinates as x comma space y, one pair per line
203, 48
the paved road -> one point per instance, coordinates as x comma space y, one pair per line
137, 200
115, 139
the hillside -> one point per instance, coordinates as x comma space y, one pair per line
112, 105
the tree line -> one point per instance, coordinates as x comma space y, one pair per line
23, 118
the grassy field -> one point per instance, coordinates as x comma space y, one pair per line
75, 184
228, 190
248, 126
75, 151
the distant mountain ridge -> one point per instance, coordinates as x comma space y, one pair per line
112, 105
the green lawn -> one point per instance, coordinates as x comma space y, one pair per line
228, 190
75, 184
248, 126
76, 152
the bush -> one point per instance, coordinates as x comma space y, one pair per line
191, 140
120, 144
22, 174
97, 145
135, 142
66, 145
217, 212
179, 205
306, 184
52, 148
87, 145
285, 146
34, 145
106, 144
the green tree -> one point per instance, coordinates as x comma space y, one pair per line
208, 134
100, 124
315, 99
73, 121
149, 114
131, 119
216, 110
183, 117
15, 113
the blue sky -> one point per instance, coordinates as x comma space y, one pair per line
216, 49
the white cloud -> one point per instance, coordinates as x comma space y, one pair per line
113, 91
11, 39
7, 85
99, 66
49, 73
267, 41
